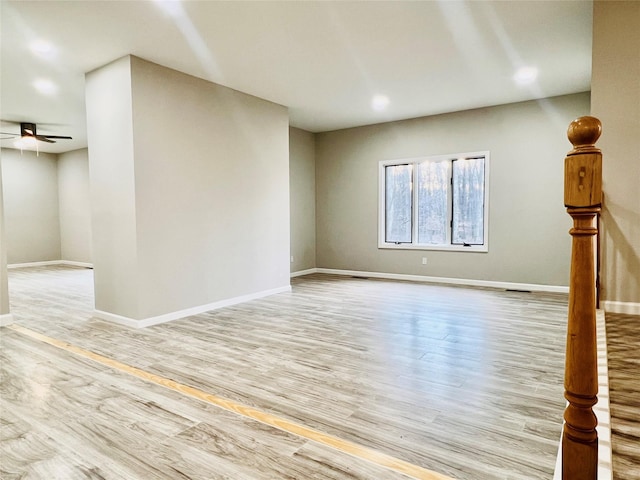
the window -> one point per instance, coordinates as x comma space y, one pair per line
437, 203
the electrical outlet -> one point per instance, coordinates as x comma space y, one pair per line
424, 260
291, 258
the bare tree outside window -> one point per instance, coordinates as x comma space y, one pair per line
433, 189
468, 201
435, 202
398, 211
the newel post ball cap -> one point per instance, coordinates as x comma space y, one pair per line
584, 132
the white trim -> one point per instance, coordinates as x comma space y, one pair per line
627, 308
33, 264
50, 263
73, 263
300, 273
454, 281
440, 248
448, 246
601, 409
167, 317
6, 319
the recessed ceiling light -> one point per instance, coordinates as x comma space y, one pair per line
42, 48
45, 86
379, 102
525, 75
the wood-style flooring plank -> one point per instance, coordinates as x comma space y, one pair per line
130, 439
623, 340
463, 381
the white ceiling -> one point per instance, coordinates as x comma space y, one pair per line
323, 60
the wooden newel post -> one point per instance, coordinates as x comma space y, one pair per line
582, 197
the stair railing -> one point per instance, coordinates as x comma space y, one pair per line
582, 197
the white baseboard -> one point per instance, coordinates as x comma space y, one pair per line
50, 263
300, 273
147, 322
33, 264
6, 319
627, 308
73, 263
453, 281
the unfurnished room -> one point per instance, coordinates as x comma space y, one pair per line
320, 240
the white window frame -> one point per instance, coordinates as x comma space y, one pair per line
417, 246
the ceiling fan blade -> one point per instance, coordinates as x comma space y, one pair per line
56, 136
28, 130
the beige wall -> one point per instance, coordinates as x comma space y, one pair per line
47, 206
302, 184
528, 225
111, 174
206, 203
615, 101
75, 206
4, 293
31, 211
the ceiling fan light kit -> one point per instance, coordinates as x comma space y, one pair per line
29, 137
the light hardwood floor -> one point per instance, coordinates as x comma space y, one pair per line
623, 339
465, 382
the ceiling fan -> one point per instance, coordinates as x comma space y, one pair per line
29, 130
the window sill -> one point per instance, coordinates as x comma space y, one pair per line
442, 248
